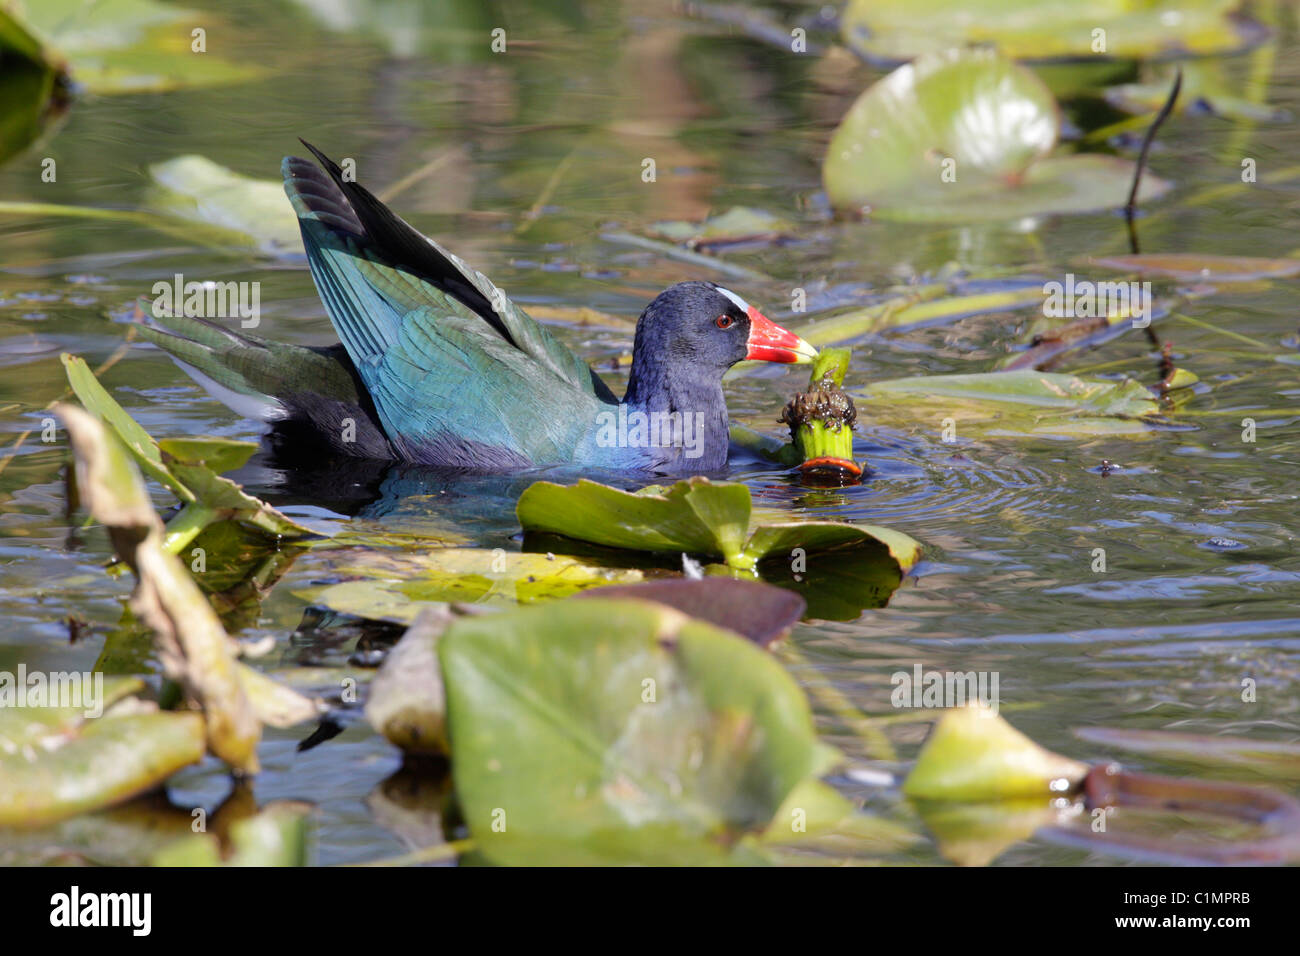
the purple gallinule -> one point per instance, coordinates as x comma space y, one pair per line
437, 366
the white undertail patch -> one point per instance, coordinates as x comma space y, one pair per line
260, 408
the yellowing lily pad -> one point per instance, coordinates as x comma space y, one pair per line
1267, 759
1199, 267
57, 761
1025, 402
894, 30
973, 755
275, 836
395, 586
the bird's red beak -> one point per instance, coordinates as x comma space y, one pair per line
768, 342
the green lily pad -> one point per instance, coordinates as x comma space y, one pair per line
738, 225
1206, 89
694, 516
197, 190
387, 585
973, 755
619, 731
130, 46
219, 454
33, 87
1038, 30
55, 761
965, 136
836, 584
1025, 402
200, 202
16, 39
448, 33
1199, 267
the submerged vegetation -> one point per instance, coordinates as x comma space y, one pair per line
601, 667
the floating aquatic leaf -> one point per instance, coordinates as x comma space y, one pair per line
389, 585
33, 87
964, 136
973, 755
1025, 402
129, 46
17, 40
619, 731
1037, 30
236, 566
1206, 89
277, 836
817, 816
696, 516
195, 189
124, 835
693, 516
1269, 759
56, 761
201, 202
219, 454
737, 226
1198, 267
447, 33
838, 583
926, 305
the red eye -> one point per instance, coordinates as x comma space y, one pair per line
724, 321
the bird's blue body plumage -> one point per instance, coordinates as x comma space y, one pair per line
441, 368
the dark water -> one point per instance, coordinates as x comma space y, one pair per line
1203, 579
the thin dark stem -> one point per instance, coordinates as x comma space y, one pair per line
1130, 208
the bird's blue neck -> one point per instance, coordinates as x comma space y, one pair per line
685, 414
